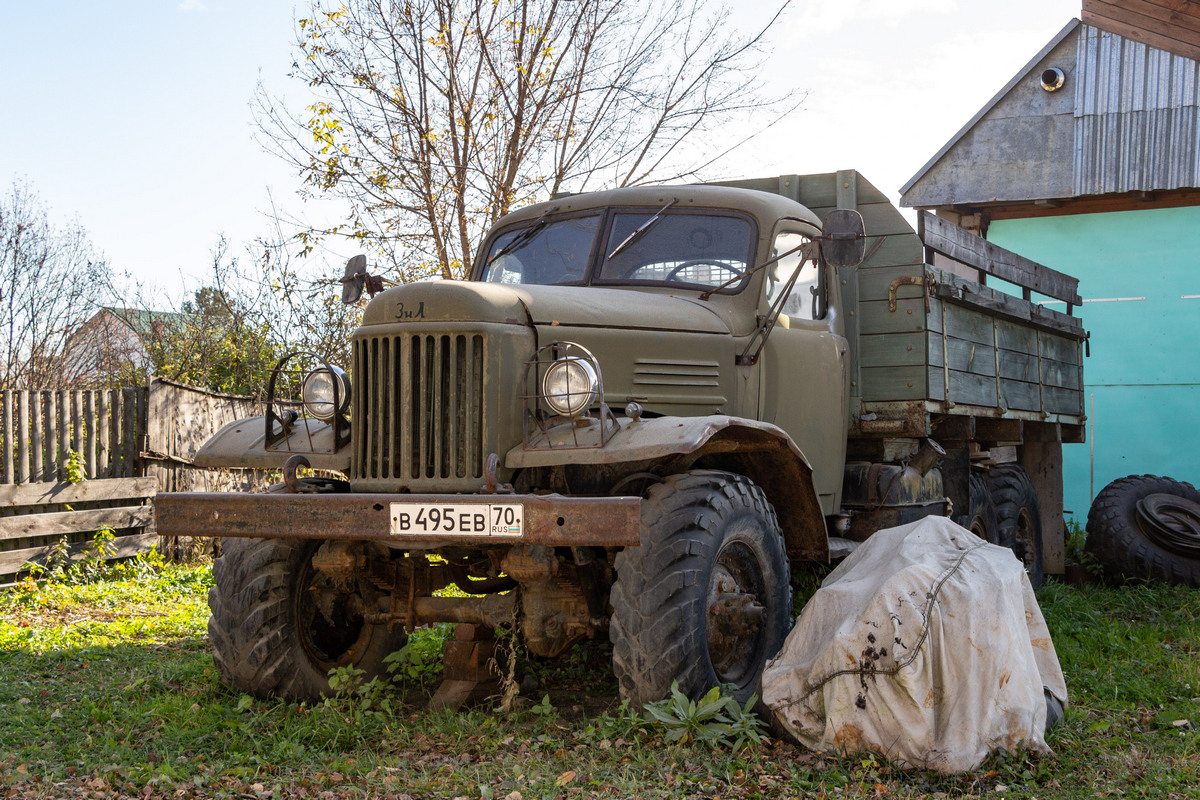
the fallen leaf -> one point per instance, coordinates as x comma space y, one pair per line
565, 778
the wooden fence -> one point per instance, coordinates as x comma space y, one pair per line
129, 443
40, 429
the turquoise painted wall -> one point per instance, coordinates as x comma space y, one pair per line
1139, 275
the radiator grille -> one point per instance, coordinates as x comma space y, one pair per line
418, 407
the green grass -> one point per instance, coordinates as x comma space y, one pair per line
109, 691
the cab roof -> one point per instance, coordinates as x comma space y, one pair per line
765, 207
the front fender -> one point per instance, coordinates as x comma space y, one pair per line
759, 450
241, 445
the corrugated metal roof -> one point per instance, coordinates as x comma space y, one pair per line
1137, 116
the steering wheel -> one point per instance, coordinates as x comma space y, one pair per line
695, 262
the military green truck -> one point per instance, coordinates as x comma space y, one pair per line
642, 408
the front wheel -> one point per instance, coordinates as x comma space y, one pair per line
705, 599
278, 626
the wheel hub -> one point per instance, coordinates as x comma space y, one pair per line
735, 617
1172, 522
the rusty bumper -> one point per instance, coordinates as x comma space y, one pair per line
551, 520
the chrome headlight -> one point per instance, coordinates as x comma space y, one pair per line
318, 391
570, 385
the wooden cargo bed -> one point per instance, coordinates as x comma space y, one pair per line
929, 337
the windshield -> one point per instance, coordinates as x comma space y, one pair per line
544, 251
703, 250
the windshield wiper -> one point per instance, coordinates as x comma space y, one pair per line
523, 237
640, 231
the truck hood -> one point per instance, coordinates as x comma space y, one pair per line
584, 306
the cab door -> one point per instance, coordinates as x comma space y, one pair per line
804, 368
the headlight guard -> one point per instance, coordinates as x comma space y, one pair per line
564, 399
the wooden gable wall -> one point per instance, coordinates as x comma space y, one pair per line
1172, 25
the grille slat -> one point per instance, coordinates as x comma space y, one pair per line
419, 414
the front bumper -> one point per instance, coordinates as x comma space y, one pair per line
551, 520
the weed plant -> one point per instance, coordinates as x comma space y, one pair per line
110, 691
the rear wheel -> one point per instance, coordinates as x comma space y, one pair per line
278, 626
705, 599
1018, 517
980, 518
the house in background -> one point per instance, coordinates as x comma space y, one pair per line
115, 343
1088, 161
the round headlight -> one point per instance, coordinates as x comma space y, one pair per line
570, 385
317, 391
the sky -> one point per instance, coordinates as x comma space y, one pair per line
134, 116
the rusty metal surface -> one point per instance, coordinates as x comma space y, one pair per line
549, 519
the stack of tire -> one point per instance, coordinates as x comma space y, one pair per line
1146, 527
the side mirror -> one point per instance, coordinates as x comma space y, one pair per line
354, 280
844, 241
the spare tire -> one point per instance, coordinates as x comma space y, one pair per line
1146, 527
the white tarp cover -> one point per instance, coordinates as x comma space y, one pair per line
925, 645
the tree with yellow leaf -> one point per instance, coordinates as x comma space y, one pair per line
432, 118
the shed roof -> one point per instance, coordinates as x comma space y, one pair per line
1127, 119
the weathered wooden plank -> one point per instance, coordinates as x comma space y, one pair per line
1063, 376
57, 523
50, 443
129, 428
22, 432
36, 494
876, 283
1166, 14
91, 425
103, 429
63, 400
1142, 28
1062, 401
117, 452
9, 444
884, 384
892, 250
879, 219
875, 317
997, 304
1019, 338
892, 350
1059, 348
976, 390
962, 245
972, 357
11, 561
37, 450
1018, 366
1020, 396
970, 325
77, 442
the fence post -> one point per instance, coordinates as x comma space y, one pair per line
104, 428
8, 438
22, 433
33, 439
64, 433
129, 440
50, 440
91, 427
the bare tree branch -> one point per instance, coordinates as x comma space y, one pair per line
432, 118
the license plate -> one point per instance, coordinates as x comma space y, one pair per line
438, 519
